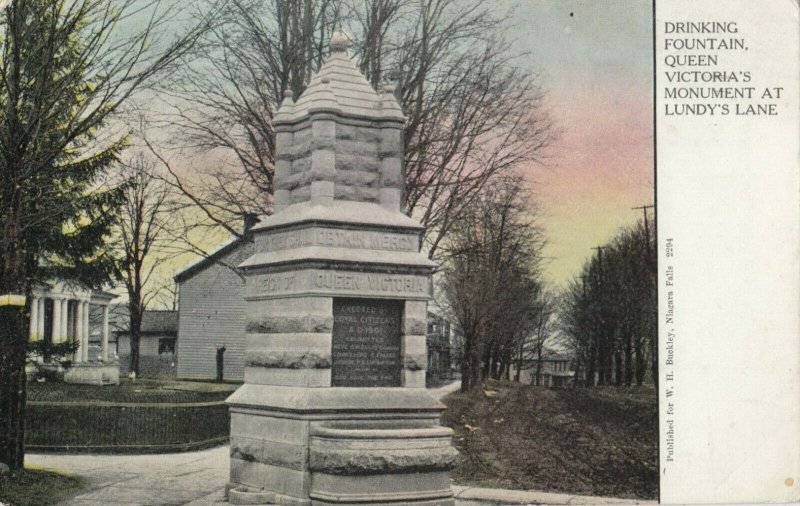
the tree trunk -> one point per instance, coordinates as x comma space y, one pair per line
641, 361
13, 333
618, 368
601, 362
628, 358
135, 333
13, 339
591, 365
538, 377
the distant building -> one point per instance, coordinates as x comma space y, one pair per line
557, 369
438, 343
159, 333
62, 311
211, 311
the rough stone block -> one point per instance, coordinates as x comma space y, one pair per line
321, 128
368, 134
281, 199
269, 428
295, 306
288, 359
369, 149
392, 172
415, 361
356, 193
283, 141
323, 160
269, 452
356, 178
390, 198
416, 309
391, 136
301, 164
276, 479
414, 379
322, 192
282, 169
314, 378
291, 323
414, 345
301, 194
319, 343
347, 161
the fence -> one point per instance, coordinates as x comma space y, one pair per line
125, 427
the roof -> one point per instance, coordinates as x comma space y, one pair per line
197, 266
154, 321
160, 321
340, 87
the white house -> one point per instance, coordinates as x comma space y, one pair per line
62, 311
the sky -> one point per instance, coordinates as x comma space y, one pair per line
593, 60
594, 63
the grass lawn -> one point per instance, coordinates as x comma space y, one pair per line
34, 487
599, 441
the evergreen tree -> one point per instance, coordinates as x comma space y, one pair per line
64, 73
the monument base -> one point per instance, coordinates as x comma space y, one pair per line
314, 446
93, 373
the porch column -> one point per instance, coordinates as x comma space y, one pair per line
104, 339
34, 319
85, 307
64, 319
40, 302
79, 330
57, 335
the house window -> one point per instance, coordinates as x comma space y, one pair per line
166, 345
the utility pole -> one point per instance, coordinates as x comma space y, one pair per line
646, 232
603, 344
651, 264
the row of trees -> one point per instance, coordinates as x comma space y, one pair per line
608, 313
491, 284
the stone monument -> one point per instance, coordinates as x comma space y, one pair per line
333, 409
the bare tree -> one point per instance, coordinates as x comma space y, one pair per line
473, 114
490, 277
147, 232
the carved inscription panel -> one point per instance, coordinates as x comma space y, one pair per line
340, 238
366, 343
366, 284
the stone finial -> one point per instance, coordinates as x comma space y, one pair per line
340, 43
389, 87
287, 95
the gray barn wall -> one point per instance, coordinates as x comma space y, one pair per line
211, 314
151, 364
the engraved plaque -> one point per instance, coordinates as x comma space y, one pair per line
366, 343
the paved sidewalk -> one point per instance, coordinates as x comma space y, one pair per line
199, 478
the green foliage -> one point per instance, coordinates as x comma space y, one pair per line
50, 162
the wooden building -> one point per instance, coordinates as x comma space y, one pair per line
157, 342
211, 311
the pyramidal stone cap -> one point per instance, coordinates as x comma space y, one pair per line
340, 88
